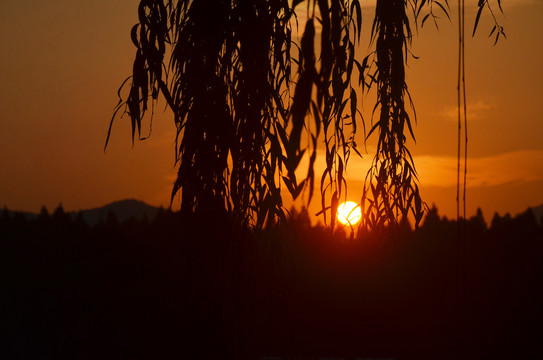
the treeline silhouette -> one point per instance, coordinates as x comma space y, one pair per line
196, 287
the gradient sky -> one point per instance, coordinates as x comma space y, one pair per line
62, 62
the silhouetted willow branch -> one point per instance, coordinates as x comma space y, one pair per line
224, 78
395, 191
225, 70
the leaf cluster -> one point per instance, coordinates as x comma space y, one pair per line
224, 78
497, 29
244, 121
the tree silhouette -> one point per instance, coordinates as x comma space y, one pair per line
44, 214
226, 72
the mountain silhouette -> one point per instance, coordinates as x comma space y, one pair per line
123, 210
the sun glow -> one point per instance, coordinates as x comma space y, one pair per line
349, 213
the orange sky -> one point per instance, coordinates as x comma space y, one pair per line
63, 60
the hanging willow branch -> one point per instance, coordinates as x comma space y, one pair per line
390, 189
224, 69
226, 81
336, 103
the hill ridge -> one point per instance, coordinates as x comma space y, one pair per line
131, 208
124, 210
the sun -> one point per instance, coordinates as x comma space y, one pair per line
348, 213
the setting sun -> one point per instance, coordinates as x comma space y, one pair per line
348, 213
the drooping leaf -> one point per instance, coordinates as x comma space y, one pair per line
444, 10
356, 5
477, 17
333, 208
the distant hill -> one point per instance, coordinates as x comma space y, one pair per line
124, 210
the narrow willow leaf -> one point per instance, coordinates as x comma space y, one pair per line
356, 4
353, 109
340, 174
497, 38
333, 208
420, 8
134, 35
444, 10
493, 29
477, 17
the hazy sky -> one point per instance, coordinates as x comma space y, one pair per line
62, 61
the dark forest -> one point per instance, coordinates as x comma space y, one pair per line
171, 287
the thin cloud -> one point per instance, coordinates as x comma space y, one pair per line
475, 110
513, 167
440, 171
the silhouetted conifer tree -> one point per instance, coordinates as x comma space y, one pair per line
478, 223
44, 215
60, 216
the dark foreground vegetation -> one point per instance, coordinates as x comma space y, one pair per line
194, 288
